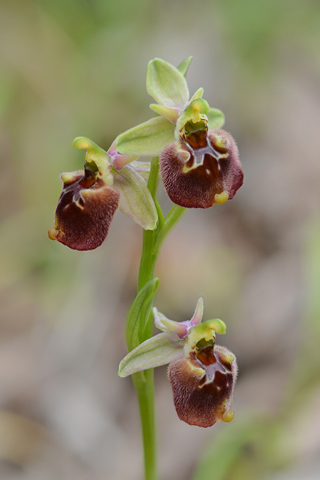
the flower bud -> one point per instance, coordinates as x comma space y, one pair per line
85, 209
202, 385
203, 169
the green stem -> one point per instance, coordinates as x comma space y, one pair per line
144, 384
169, 222
149, 254
143, 381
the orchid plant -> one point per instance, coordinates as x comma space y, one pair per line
199, 165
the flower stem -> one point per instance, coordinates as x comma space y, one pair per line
143, 381
144, 384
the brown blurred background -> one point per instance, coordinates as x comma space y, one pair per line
77, 67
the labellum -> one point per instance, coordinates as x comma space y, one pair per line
203, 384
85, 209
203, 169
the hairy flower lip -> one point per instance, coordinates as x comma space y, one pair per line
203, 388
211, 174
202, 374
90, 197
84, 211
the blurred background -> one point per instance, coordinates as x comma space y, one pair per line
77, 67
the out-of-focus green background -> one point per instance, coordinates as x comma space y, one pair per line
77, 67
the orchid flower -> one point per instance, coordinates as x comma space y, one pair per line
90, 198
199, 161
202, 374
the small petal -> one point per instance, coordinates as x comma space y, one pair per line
203, 385
118, 160
154, 352
163, 323
198, 313
84, 212
135, 198
166, 84
203, 170
148, 138
172, 114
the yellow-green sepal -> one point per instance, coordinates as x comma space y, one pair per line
148, 138
136, 201
154, 352
166, 84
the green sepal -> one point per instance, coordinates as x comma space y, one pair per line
148, 138
166, 84
136, 201
139, 313
154, 352
184, 66
215, 118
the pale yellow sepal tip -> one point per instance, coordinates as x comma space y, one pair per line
228, 416
52, 233
220, 198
